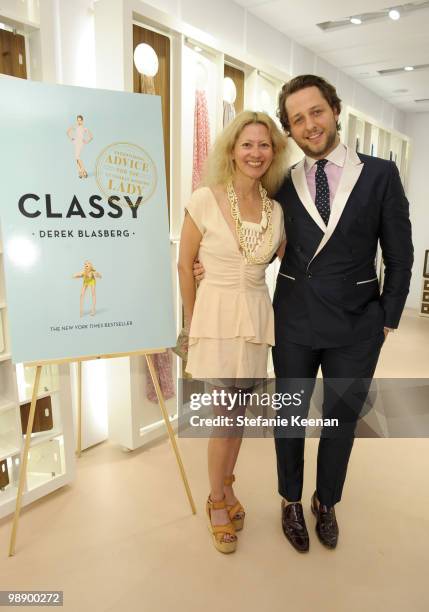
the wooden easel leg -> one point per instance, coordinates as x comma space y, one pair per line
170, 430
79, 409
24, 461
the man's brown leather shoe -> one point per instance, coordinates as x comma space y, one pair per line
326, 525
294, 526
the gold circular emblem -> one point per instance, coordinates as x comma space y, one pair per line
125, 169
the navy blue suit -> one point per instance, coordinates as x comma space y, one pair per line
329, 312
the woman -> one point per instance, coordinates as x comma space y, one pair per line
80, 136
89, 275
234, 229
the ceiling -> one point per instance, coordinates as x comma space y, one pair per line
359, 51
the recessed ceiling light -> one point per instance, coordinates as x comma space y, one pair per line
355, 20
197, 49
2, 26
408, 68
394, 14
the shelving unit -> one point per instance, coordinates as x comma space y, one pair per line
51, 458
371, 138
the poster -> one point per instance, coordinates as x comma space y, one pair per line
84, 221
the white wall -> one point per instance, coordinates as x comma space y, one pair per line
417, 126
233, 25
77, 42
26, 10
69, 53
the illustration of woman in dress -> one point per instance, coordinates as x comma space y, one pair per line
79, 135
89, 275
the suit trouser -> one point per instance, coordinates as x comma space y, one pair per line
347, 374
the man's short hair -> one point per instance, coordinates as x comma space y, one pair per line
303, 81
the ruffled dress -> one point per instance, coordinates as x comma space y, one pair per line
232, 325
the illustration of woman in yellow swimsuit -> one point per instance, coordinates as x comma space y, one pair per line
89, 275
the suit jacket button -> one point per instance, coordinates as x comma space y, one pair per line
298, 248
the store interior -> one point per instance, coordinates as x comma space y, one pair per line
111, 525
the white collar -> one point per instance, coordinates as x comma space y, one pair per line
337, 157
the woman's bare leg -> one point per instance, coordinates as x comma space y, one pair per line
222, 454
232, 460
82, 297
94, 300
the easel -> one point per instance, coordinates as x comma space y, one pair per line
24, 462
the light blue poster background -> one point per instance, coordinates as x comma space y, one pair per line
134, 303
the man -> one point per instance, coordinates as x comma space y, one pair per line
329, 313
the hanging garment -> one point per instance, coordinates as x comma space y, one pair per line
163, 365
201, 136
147, 85
228, 113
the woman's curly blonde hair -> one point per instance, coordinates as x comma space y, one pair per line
220, 167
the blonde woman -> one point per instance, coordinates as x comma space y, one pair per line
233, 227
89, 275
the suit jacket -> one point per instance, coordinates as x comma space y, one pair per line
327, 291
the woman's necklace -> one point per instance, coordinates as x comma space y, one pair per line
251, 235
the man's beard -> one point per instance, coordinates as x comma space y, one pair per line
326, 149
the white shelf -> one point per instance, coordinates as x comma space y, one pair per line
36, 479
39, 396
9, 451
8, 495
39, 482
43, 436
6, 405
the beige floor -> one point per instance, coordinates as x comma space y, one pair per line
122, 537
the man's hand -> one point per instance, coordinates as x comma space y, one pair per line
198, 270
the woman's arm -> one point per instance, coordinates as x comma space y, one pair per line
69, 133
90, 136
190, 240
78, 275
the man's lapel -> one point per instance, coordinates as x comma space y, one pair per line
351, 172
300, 183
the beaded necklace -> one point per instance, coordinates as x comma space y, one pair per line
251, 235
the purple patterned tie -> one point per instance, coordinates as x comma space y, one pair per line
322, 191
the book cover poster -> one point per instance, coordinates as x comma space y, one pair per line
84, 220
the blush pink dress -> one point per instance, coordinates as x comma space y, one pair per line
81, 136
232, 325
